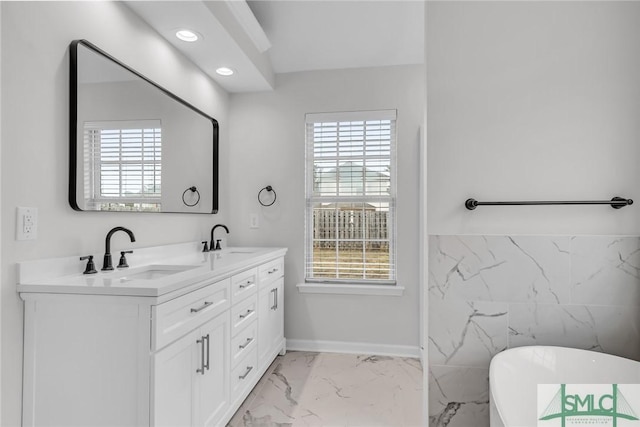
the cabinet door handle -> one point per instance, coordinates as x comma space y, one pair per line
275, 298
201, 369
208, 350
205, 305
243, 376
242, 316
241, 346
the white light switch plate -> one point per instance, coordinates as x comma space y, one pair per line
26, 223
253, 221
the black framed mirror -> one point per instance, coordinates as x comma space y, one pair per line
135, 146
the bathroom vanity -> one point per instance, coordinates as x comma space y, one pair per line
179, 338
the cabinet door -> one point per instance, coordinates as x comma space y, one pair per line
277, 316
270, 320
212, 381
173, 388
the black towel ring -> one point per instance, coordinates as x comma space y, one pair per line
193, 190
270, 190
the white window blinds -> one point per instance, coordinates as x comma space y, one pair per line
350, 215
123, 164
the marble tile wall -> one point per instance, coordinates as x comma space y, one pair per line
490, 293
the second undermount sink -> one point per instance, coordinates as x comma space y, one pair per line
154, 271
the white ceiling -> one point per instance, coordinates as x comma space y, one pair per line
217, 48
321, 35
304, 35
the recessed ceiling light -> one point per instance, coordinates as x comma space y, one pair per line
224, 71
187, 35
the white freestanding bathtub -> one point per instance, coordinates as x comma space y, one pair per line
514, 376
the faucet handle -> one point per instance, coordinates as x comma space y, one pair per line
90, 268
123, 260
206, 246
218, 244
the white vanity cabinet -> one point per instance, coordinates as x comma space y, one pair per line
187, 357
190, 380
189, 376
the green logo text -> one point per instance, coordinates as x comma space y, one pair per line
564, 406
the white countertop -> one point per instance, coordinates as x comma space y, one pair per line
153, 272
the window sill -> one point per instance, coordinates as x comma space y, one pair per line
345, 289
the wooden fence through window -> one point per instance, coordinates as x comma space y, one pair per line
350, 227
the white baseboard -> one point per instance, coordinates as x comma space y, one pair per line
353, 348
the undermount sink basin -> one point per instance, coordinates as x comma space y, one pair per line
151, 272
241, 251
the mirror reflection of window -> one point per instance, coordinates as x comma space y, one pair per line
123, 165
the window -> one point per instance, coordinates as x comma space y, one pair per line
350, 194
123, 165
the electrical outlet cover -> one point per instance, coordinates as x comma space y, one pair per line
26, 223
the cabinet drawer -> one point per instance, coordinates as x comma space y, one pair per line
175, 318
270, 271
243, 313
243, 376
245, 342
243, 285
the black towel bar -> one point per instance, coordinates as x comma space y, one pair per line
616, 203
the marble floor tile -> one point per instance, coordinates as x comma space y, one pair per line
329, 389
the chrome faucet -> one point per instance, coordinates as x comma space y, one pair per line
216, 247
107, 263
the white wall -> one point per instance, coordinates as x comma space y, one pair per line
267, 148
533, 101
35, 103
1, 376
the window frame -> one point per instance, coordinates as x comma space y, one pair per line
311, 198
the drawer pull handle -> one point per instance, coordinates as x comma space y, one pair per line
205, 305
272, 271
241, 346
243, 376
242, 316
246, 285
